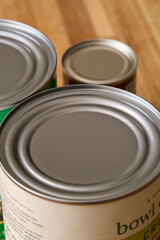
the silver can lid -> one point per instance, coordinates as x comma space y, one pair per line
99, 61
27, 62
81, 143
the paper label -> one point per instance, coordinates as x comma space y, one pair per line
29, 217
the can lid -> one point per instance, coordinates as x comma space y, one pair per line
27, 62
81, 143
99, 61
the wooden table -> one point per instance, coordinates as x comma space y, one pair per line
65, 22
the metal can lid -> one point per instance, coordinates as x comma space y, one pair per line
81, 143
99, 61
27, 62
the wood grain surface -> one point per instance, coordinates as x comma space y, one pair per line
65, 22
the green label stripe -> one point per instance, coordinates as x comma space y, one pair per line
2, 233
51, 84
151, 232
4, 112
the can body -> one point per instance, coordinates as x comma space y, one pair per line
100, 178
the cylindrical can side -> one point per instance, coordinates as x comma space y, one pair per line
129, 85
131, 217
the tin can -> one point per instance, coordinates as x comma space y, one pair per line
101, 61
81, 162
27, 63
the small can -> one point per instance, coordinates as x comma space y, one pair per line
81, 162
27, 65
101, 61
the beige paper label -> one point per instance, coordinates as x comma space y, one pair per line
29, 217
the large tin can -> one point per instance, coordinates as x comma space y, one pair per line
81, 162
101, 61
27, 63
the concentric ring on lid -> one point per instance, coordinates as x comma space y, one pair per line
82, 144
